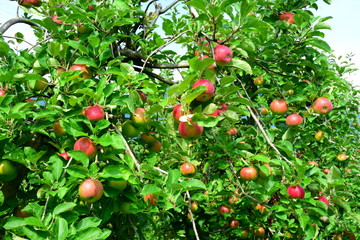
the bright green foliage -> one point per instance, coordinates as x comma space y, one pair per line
122, 37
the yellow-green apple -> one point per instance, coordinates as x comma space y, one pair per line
38, 85
319, 135
342, 157
86, 73
65, 155
143, 96
223, 55
150, 198
208, 93
296, 192
264, 111
58, 129
82, 29
129, 130
190, 130
249, 173
8, 171
177, 113
324, 200
90, 190
287, 17
194, 206
232, 131
139, 118
322, 105
94, 113
294, 120
29, 3
118, 184
279, 107
187, 169
259, 81
291, 92
55, 19
85, 145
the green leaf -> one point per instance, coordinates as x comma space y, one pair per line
111, 139
286, 146
79, 156
319, 44
14, 222
241, 65
192, 94
57, 166
86, 61
77, 171
150, 188
173, 177
63, 207
117, 171
61, 229
303, 220
338, 201
322, 25
193, 184
88, 234
88, 222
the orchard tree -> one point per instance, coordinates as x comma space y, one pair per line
200, 119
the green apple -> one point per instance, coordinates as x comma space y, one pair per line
118, 184
8, 171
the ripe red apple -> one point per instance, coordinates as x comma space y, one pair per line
58, 130
94, 113
223, 55
287, 17
208, 93
65, 155
314, 163
259, 81
326, 170
260, 208
322, 105
223, 108
294, 120
55, 19
90, 190
177, 113
342, 157
319, 135
8, 171
190, 130
260, 232
224, 209
194, 206
216, 113
249, 173
264, 111
29, 3
85, 145
279, 107
232, 131
143, 96
296, 192
155, 147
86, 74
323, 199
139, 118
188, 169
118, 184
150, 198
2, 92
234, 223
129, 130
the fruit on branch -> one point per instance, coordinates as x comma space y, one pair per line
279, 107
82, 29
148, 139
263, 174
90, 190
2, 92
60, 70
326, 170
155, 147
56, 20
118, 184
260, 208
8, 171
150, 198
234, 223
208, 93
139, 119
232, 131
342, 157
319, 135
260, 232
259, 81
322, 105
249, 173
324, 200
294, 120
216, 113
177, 113
291, 92
190, 130
224, 209
85, 145
194, 206
94, 113
287, 17
296, 192
38, 85
314, 163
29, 3
264, 111
86, 73
188, 169
65, 155
143, 96
223, 108
244, 234
20, 213
212, 66
223, 55
129, 130
58, 130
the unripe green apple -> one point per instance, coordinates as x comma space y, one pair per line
8, 171
118, 184
129, 130
38, 85
139, 119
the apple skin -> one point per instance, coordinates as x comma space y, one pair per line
155, 147
264, 111
216, 113
260, 232
294, 120
260, 208
224, 209
232, 131
139, 119
262, 174
29, 3
234, 223
208, 93
129, 130
187, 169
148, 139
143, 96
323, 199
223, 108
279, 107
85, 145
319, 135
82, 29
91, 190
259, 81
287, 17
2, 92
8, 171
150, 198
56, 20
118, 184
58, 130
223, 55
212, 66
86, 74
291, 92
342, 157
296, 192
177, 113
19, 213
38, 85
249, 173
190, 130
94, 113
322, 105
326, 170
194, 206
314, 163
65, 155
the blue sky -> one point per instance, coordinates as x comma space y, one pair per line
344, 38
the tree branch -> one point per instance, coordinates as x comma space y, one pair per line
160, 78
13, 21
17, 38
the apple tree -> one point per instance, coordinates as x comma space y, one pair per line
199, 119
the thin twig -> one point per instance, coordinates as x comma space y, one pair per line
17, 38
38, 43
46, 204
139, 69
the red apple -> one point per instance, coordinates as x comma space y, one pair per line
294, 120
150, 198
29, 3
8, 171
129, 130
342, 157
216, 113
264, 111
259, 81
234, 223
212, 66
208, 93
223, 108
188, 169
260, 232
323, 199
322, 105
118, 184
65, 155
86, 74
155, 147
85, 145
177, 113
232, 131
58, 130
190, 130
326, 170
249, 173
223, 55
139, 118
279, 107
224, 209
143, 96
55, 19
287, 17
90, 190
296, 192
2, 92
94, 113
319, 135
